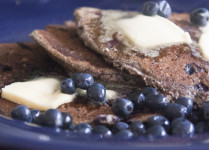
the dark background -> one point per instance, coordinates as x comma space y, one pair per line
18, 18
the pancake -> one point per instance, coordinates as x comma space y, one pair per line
64, 46
22, 62
166, 72
26, 61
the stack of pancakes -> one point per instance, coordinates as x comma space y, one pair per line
73, 47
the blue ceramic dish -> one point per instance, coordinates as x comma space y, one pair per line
18, 18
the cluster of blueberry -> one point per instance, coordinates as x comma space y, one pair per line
199, 16
147, 98
158, 125
96, 92
161, 8
50, 118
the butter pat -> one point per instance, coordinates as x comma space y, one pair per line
41, 94
147, 32
204, 41
81, 92
110, 94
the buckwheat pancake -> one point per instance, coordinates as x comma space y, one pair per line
167, 72
22, 62
26, 61
65, 46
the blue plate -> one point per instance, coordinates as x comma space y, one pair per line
18, 18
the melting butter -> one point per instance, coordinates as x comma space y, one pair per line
204, 41
151, 32
110, 94
41, 94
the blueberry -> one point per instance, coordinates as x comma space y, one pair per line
138, 99
83, 80
34, 114
83, 128
164, 8
125, 134
40, 119
156, 102
184, 128
52, 118
149, 90
102, 131
187, 102
156, 131
176, 121
137, 128
190, 69
97, 93
196, 117
67, 120
159, 120
150, 8
68, 86
21, 112
119, 126
202, 127
200, 16
123, 107
205, 108
174, 110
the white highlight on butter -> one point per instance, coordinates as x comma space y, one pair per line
204, 41
41, 94
152, 32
